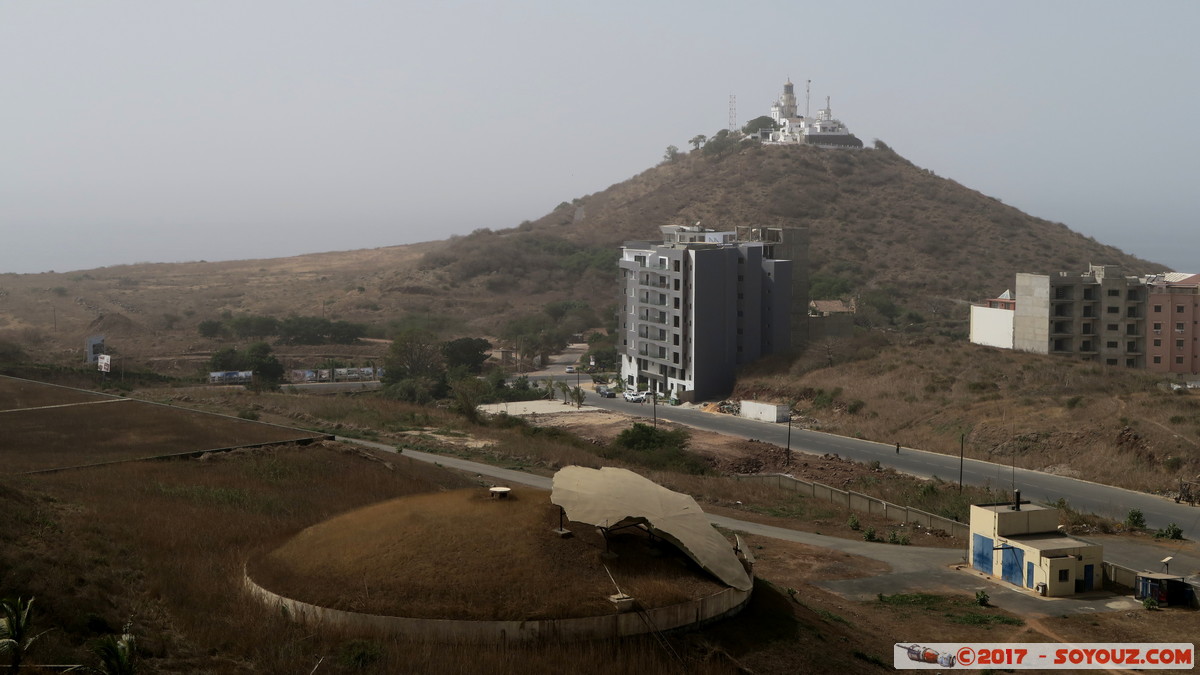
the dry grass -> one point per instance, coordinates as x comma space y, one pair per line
163, 544
74, 431
1109, 425
462, 555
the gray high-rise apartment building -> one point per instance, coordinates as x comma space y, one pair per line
701, 303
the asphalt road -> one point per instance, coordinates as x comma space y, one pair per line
1037, 486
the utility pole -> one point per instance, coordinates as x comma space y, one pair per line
788, 459
962, 445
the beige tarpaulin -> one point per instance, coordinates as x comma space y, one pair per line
610, 497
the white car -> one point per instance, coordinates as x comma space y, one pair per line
570, 369
635, 396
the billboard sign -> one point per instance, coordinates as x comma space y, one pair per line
104, 363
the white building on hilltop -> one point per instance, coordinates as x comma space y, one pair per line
793, 128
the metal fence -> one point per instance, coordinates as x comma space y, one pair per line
865, 503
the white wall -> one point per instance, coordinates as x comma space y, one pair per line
992, 327
767, 412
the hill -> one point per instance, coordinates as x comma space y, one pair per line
876, 221
880, 228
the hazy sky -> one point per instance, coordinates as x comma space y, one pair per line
134, 131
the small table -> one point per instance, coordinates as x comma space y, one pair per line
500, 492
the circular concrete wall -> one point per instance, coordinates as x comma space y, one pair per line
691, 614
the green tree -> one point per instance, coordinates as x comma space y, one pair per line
672, 154
721, 142
764, 122
468, 353
413, 354
578, 395
303, 330
468, 393
548, 383
346, 333
210, 328
250, 326
268, 371
697, 141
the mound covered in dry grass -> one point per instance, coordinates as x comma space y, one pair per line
463, 555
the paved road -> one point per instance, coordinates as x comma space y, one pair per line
1035, 485
913, 568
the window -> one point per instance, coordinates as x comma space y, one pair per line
1111, 344
1179, 360
1158, 308
1179, 309
1179, 327
1157, 326
1131, 346
1110, 362
1112, 326
1179, 344
1064, 575
1114, 293
1113, 310
1087, 328
1130, 363
1158, 359
1157, 342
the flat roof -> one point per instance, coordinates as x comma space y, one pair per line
1006, 507
1049, 541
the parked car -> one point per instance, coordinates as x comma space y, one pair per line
570, 369
635, 396
605, 392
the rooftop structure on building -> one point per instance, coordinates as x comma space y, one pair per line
792, 128
1020, 543
701, 303
1102, 315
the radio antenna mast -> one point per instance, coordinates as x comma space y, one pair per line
732, 112
807, 95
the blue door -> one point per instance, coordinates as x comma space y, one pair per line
1028, 575
1087, 577
1012, 565
981, 553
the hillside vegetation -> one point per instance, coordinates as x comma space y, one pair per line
878, 224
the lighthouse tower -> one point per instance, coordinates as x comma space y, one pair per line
785, 107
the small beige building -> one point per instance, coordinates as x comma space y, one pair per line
1020, 543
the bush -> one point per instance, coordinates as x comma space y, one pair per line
869, 534
853, 523
1171, 531
1134, 520
982, 598
1150, 603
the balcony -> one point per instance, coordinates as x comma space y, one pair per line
649, 333
653, 317
652, 351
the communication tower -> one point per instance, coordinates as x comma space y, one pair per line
733, 112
